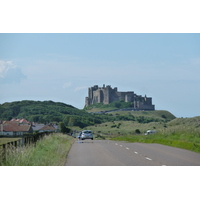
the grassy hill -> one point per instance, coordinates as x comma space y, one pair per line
44, 112
97, 107
49, 111
118, 107
155, 114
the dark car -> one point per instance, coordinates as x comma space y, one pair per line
79, 135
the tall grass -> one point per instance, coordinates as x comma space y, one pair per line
50, 151
181, 133
181, 139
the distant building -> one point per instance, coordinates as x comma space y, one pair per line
18, 127
107, 95
21, 121
48, 128
14, 128
45, 128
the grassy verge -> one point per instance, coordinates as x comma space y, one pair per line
181, 132
176, 140
50, 151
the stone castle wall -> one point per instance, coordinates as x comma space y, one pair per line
108, 95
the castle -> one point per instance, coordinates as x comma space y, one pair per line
107, 94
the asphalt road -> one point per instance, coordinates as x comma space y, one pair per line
112, 153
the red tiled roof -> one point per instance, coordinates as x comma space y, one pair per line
16, 127
20, 120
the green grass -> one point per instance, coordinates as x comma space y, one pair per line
156, 114
170, 140
50, 151
180, 132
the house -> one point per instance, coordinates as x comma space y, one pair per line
45, 128
21, 121
48, 128
14, 128
37, 127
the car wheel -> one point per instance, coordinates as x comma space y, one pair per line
91, 138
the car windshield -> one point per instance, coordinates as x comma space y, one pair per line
87, 132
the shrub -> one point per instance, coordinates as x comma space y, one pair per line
137, 131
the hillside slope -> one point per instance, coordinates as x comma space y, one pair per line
155, 114
42, 112
49, 111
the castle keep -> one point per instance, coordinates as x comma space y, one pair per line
108, 95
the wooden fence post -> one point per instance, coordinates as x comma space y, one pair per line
19, 142
22, 142
4, 152
15, 142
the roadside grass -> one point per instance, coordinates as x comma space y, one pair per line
52, 150
160, 139
124, 127
180, 139
181, 133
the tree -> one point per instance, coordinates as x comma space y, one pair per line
63, 128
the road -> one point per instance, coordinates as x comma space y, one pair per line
114, 153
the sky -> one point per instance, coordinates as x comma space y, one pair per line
62, 66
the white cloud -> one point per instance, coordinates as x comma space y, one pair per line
10, 73
66, 85
80, 88
5, 66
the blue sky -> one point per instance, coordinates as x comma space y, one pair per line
61, 67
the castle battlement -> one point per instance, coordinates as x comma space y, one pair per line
107, 95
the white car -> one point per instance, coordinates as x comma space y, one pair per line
86, 134
150, 132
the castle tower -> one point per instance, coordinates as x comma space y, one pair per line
107, 94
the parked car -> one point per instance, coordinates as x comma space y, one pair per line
79, 135
150, 132
86, 134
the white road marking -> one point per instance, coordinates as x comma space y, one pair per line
136, 152
116, 143
120, 145
127, 148
148, 158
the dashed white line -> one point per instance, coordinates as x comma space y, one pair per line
148, 158
116, 144
127, 148
120, 145
136, 152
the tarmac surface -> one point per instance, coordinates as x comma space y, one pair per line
113, 153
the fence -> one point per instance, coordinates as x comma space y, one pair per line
24, 141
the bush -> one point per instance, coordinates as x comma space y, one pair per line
113, 126
137, 131
100, 136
